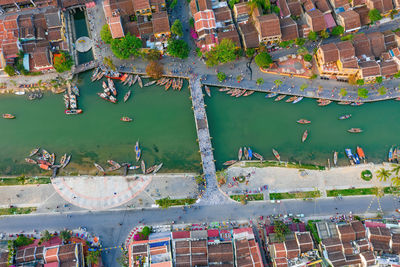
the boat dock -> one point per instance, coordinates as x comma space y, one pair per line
213, 195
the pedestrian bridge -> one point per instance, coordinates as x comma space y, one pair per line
84, 67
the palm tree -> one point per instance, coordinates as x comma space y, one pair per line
65, 235
278, 83
45, 235
383, 174
396, 170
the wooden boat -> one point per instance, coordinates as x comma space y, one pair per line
63, 158
174, 84
240, 153
151, 169
208, 91
134, 167
52, 158
335, 157
34, 151
44, 167
279, 98
113, 168
73, 111
126, 119
95, 73
113, 163
105, 85
159, 166
241, 93
138, 154
224, 89
30, 161
8, 116
100, 75
325, 103
75, 90
397, 99
355, 130
246, 153
165, 82
291, 99
67, 160
303, 121
137, 151
143, 167
344, 103
270, 95
390, 155
229, 162
304, 137
276, 154
250, 153
134, 80
137, 148
45, 154
99, 167
344, 117
349, 155
360, 152
319, 100
150, 83
124, 77
250, 92
356, 104
140, 82
180, 84
159, 81
41, 161
258, 156
298, 99
127, 95
112, 99
168, 85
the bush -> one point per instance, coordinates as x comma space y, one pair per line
250, 52
260, 81
362, 92
22, 241
360, 82
374, 15
312, 36
347, 37
105, 34
263, 60
9, 70
62, 62
191, 22
221, 76
178, 48
173, 4
307, 57
343, 92
382, 90
314, 76
366, 175
300, 41
378, 79
338, 30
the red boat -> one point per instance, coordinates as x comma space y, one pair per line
229, 162
8, 116
73, 111
127, 119
114, 77
303, 121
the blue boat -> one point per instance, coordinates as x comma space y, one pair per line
356, 159
250, 153
348, 153
390, 156
270, 95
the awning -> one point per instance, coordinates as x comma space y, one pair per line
26, 62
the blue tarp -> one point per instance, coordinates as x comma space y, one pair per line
159, 244
26, 62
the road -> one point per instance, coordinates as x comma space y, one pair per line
106, 224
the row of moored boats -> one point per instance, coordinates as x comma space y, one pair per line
71, 101
45, 160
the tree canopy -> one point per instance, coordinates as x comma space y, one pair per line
9, 70
338, 30
125, 47
221, 76
307, 57
177, 28
374, 15
263, 60
362, 92
178, 48
154, 70
62, 62
105, 34
312, 36
222, 53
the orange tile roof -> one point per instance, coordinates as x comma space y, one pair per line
204, 20
51, 255
116, 27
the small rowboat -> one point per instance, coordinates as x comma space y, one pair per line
291, 99
303, 121
150, 83
208, 91
325, 103
360, 152
250, 153
52, 158
250, 92
44, 167
140, 82
344, 117
246, 153
224, 89
349, 155
8, 116
151, 169
355, 130
344, 103
137, 148
134, 167
34, 151
63, 158
164, 81
73, 111
159, 81
31, 161
99, 167
127, 95
124, 78
276, 154
258, 156
297, 100
114, 163
335, 156
279, 98
134, 80
320, 100
304, 137
229, 162
126, 119
45, 154
67, 160
138, 154
271, 95
356, 104
397, 99
105, 85
159, 166
143, 166
75, 90
390, 156
180, 84
240, 153
168, 85
242, 93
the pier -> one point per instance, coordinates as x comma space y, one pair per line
84, 67
213, 195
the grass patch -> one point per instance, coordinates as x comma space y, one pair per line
168, 202
21, 180
391, 190
288, 195
283, 164
14, 210
352, 192
251, 197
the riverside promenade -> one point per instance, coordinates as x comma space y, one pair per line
213, 195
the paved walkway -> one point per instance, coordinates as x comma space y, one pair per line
278, 179
213, 195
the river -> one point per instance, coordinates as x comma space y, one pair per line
163, 122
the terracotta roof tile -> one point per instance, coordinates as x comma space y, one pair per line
223, 14
294, 7
141, 4
230, 34
200, 5
284, 8
377, 43
249, 34
116, 29
328, 53
350, 20
362, 45
288, 29
160, 22
269, 26
369, 68
363, 12
323, 6
317, 22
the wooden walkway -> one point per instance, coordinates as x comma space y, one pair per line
84, 67
213, 195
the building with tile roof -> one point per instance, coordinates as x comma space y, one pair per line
241, 11
295, 7
377, 41
315, 19
249, 35
350, 20
384, 6
268, 28
116, 29
363, 13
288, 29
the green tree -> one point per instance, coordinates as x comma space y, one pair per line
191, 22
123, 260
338, 30
93, 257
222, 53
9, 70
324, 34
360, 82
314, 76
343, 92
347, 37
146, 231
260, 81
300, 41
177, 28
152, 55
253, 4
307, 57
65, 235
22, 241
263, 60
383, 174
281, 230
302, 50
178, 48
105, 34
221, 76
379, 79
278, 83
45, 235
63, 62
276, 10
397, 75
303, 87
250, 52
374, 15
232, 3
312, 36
395, 170
382, 90
124, 48
173, 4
362, 92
